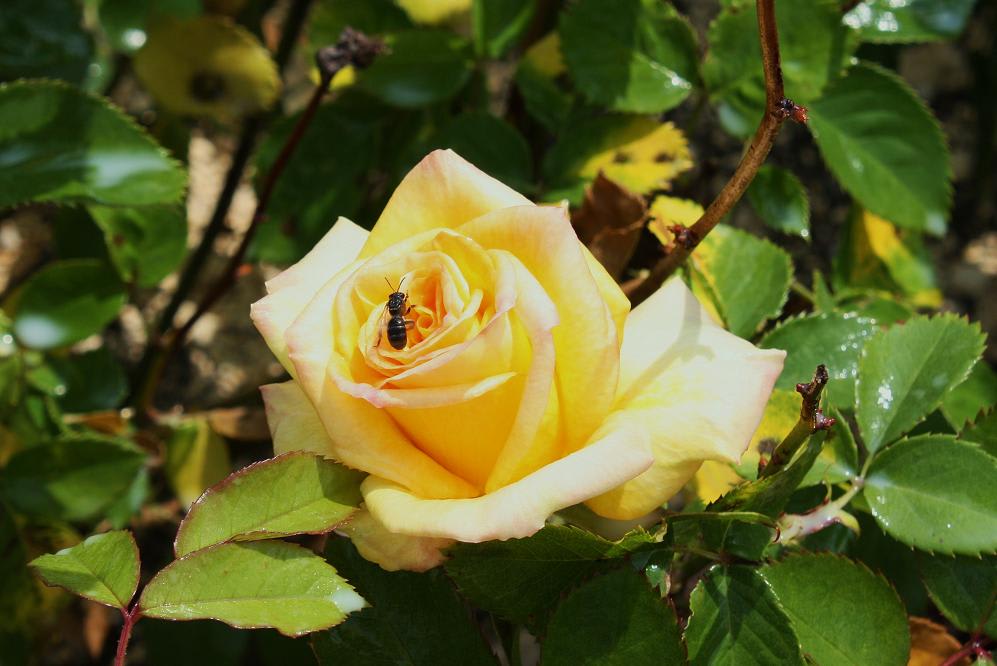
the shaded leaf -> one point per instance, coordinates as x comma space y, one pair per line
963, 588
521, 579
44, 38
498, 24
103, 568
412, 618
918, 490
885, 147
640, 57
905, 372
67, 301
194, 643
250, 585
614, 619
983, 431
296, 493
832, 338
60, 144
92, 381
196, 458
146, 244
780, 200
735, 619
72, 479
421, 68
967, 400
841, 612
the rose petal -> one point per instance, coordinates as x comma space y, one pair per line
443, 190
291, 290
520, 509
393, 552
698, 391
586, 342
294, 425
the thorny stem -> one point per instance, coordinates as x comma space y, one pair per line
777, 109
131, 617
976, 645
353, 48
811, 420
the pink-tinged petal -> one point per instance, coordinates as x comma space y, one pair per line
393, 552
520, 509
586, 342
290, 291
443, 190
294, 425
699, 391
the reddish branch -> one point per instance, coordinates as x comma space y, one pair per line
777, 109
131, 617
811, 420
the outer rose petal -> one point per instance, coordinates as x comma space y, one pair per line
586, 342
294, 425
393, 551
698, 391
443, 190
291, 290
520, 509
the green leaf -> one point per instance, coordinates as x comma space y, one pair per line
498, 24
841, 612
615, 619
814, 47
889, 21
839, 459
638, 56
421, 68
196, 459
735, 619
412, 619
72, 479
18, 592
91, 381
521, 579
60, 144
125, 21
963, 588
250, 585
489, 143
937, 494
978, 393
543, 97
885, 147
146, 244
374, 17
67, 301
905, 372
721, 259
889, 558
983, 431
44, 38
296, 493
103, 568
831, 338
780, 200
196, 643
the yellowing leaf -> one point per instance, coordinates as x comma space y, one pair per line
667, 211
781, 413
431, 12
207, 66
545, 56
931, 644
196, 458
643, 155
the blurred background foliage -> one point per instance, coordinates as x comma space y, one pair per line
127, 125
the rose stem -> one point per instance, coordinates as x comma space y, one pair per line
149, 368
811, 420
777, 109
131, 617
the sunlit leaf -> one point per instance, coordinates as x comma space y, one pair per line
292, 494
196, 458
920, 492
842, 613
67, 301
59, 144
103, 568
432, 12
909, 20
905, 372
249, 585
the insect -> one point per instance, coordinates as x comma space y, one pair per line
396, 308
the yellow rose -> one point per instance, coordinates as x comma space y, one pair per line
526, 385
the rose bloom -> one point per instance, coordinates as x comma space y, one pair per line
526, 385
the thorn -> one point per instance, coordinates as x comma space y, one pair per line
787, 108
684, 236
822, 422
353, 48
